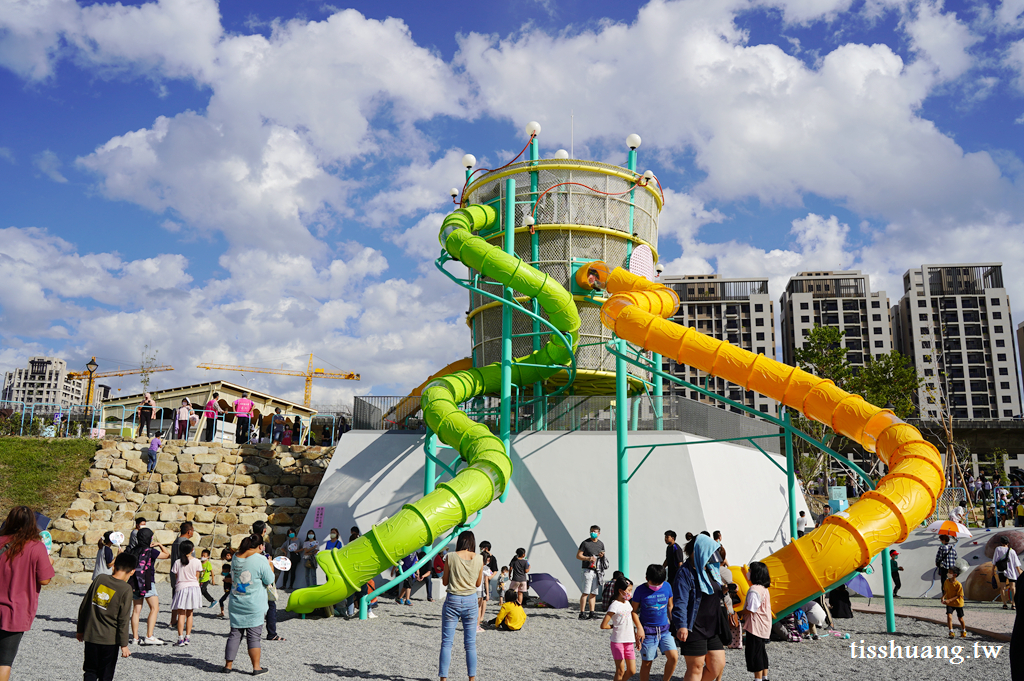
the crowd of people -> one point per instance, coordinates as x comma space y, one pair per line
686, 607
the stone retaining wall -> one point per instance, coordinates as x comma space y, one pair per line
222, 489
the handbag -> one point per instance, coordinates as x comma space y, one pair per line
272, 593
724, 628
308, 562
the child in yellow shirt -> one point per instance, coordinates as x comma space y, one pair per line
511, 617
953, 599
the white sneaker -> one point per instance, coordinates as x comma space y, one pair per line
151, 641
371, 615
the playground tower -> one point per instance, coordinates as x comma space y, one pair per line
583, 211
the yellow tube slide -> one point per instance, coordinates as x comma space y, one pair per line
846, 540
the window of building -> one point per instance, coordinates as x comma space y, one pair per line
997, 315
923, 317
879, 344
875, 304
760, 335
1001, 357
1003, 371
1007, 399
929, 372
1000, 343
877, 330
922, 303
997, 329
805, 319
805, 332
995, 301
926, 344
759, 322
924, 330
876, 317
803, 306
931, 400
760, 350
763, 408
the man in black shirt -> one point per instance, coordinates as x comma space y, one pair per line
590, 552
673, 556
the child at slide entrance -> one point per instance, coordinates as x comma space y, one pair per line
627, 632
953, 599
652, 602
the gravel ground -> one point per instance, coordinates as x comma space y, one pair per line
402, 644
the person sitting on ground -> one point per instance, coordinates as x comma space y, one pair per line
953, 599
511, 617
105, 617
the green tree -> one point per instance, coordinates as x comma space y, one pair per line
888, 379
823, 355
147, 364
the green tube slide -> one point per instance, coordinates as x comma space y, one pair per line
488, 467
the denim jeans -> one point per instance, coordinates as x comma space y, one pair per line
457, 608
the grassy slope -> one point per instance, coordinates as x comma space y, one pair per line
42, 474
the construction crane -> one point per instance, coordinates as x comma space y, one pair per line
91, 375
309, 374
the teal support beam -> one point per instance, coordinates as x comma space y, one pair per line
659, 402
622, 442
634, 423
630, 165
790, 475
429, 466
890, 613
506, 329
539, 403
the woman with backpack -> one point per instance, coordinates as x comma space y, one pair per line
143, 584
1008, 569
25, 567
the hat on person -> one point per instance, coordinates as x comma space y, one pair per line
894, 552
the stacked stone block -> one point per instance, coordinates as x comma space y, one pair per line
221, 488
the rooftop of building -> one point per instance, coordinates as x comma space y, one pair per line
199, 393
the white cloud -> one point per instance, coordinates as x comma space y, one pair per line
49, 165
7, 154
941, 39
760, 123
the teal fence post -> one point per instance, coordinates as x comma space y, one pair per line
659, 401
790, 476
622, 441
429, 467
635, 419
890, 614
540, 404
506, 328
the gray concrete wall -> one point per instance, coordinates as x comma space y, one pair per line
565, 481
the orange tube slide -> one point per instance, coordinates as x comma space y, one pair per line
846, 540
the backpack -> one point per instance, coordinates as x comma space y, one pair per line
802, 625
1003, 562
143, 569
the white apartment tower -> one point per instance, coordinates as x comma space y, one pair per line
843, 300
738, 311
45, 384
954, 323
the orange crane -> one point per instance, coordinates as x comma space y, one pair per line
91, 376
309, 374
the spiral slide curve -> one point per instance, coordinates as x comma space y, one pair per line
488, 467
847, 540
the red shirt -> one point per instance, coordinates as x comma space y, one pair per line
19, 584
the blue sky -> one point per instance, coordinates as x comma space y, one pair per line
250, 182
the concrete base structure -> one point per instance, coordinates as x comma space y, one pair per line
564, 482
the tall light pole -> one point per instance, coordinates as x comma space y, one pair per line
91, 366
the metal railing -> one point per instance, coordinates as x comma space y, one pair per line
581, 413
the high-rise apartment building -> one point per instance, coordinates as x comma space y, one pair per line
954, 324
739, 311
843, 300
43, 383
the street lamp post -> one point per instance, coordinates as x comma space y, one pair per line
91, 366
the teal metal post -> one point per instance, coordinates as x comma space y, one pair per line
622, 441
890, 614
539, 403
790, 476
630, 165
659, 402
506, 328
429, 467
635, 419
